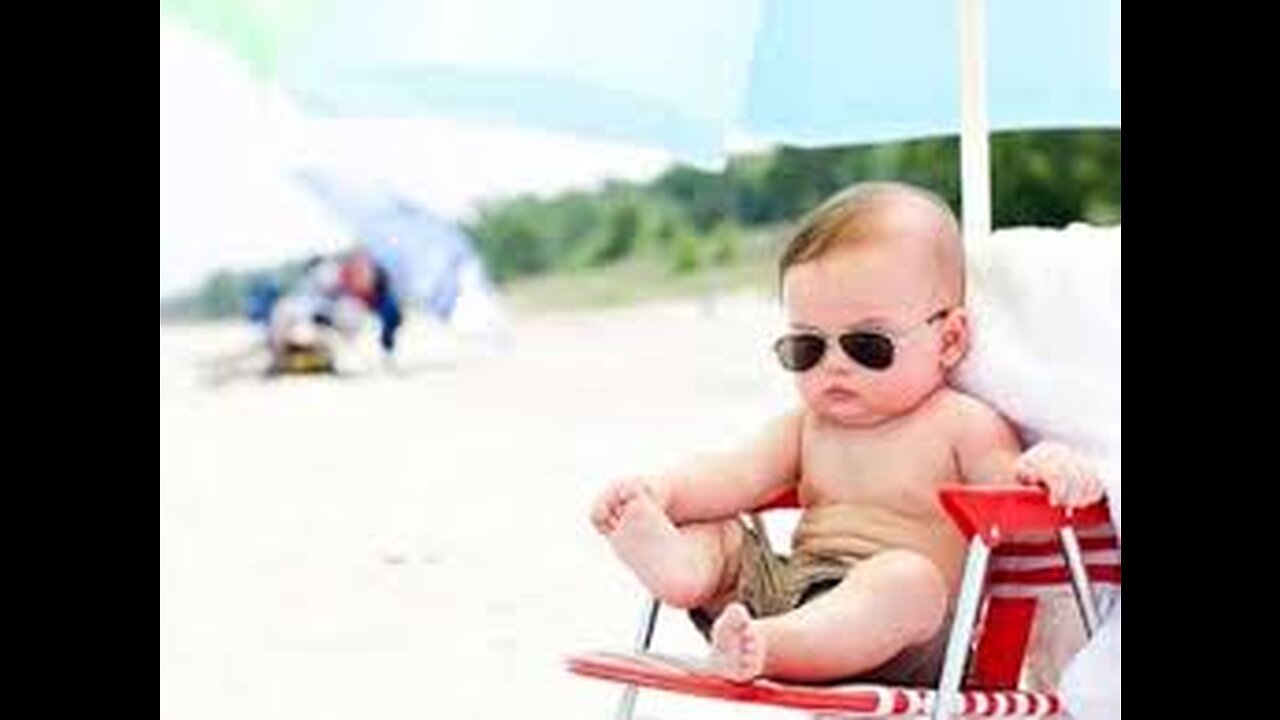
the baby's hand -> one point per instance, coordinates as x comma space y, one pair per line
609, 508
1070, 480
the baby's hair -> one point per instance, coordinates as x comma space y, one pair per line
843, 219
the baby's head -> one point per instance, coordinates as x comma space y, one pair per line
875, 275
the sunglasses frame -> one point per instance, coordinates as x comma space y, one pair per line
895, 339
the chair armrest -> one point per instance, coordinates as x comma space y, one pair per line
994, 513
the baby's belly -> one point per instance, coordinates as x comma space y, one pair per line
854, 532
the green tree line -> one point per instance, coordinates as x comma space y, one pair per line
686, 219
1038, 178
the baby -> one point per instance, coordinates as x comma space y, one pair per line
873, 286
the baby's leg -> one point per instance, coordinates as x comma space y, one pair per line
893, 600
682, 566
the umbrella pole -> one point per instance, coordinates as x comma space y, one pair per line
975, 159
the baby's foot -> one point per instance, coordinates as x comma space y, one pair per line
613, 504
646, 540
641, 533
737, 645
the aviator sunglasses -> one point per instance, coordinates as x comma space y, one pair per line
872, 349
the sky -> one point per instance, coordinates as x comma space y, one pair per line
228, 145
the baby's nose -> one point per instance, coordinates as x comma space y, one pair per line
834, 360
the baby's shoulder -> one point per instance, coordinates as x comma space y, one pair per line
962, 410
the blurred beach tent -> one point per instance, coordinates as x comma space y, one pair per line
433, 264
692, 77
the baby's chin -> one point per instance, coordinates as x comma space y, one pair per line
852, 409
848, 411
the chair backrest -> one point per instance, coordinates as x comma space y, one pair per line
1045, 349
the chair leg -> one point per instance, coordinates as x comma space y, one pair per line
1080, 579
644, 637
975, 574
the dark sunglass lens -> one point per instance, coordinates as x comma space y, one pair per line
871, 350
798, 353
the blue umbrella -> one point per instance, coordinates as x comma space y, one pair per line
686, 76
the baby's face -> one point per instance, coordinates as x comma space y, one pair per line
883, 291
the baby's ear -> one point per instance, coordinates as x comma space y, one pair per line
955, 338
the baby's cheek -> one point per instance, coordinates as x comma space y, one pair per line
906, 389
807, 388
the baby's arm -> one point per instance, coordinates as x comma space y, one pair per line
719, 486
986, 447
988, 452
713, 487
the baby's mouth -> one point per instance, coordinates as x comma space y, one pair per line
839, 394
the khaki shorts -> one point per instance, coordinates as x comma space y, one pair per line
771, 584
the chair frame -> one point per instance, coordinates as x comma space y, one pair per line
988, 641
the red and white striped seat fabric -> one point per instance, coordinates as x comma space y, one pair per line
1026, 566
653, 670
